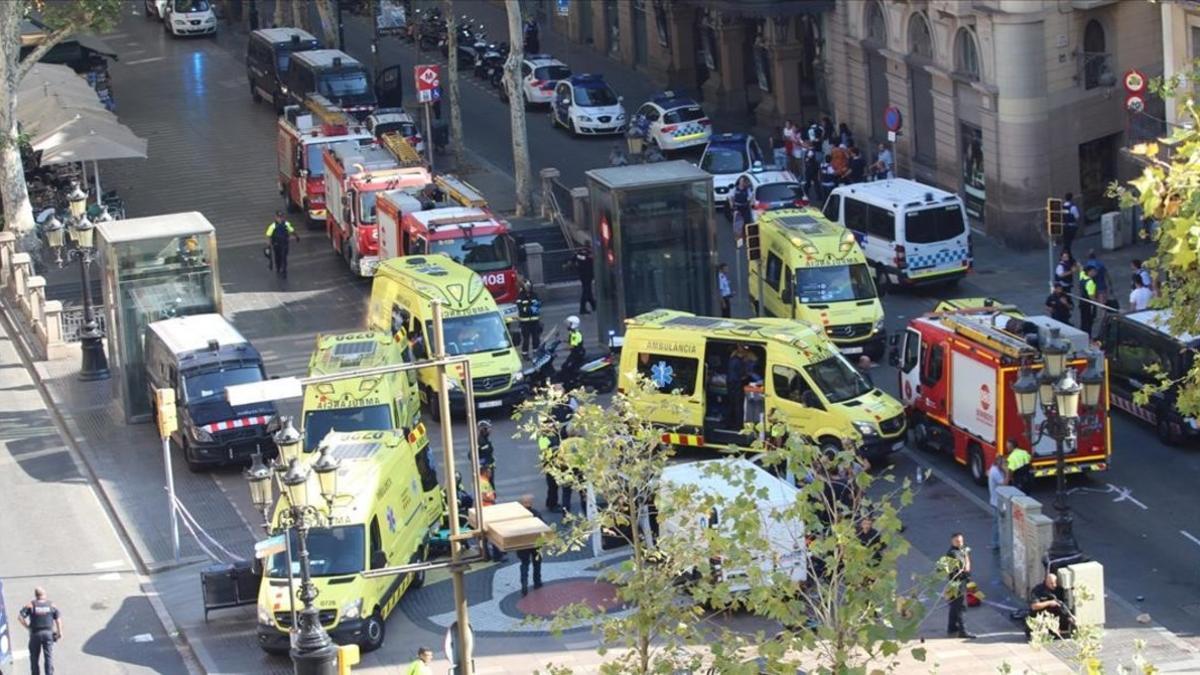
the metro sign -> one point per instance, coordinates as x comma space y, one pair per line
428, 83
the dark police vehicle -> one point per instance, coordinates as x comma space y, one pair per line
199, 356
333, 74
268, 58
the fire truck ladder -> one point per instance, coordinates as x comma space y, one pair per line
405, 154
460, 191
328, 113
435, 223
978, 329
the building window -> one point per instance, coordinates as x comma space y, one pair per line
1097, 71
967, 54
920, 40
660, 21
876, 25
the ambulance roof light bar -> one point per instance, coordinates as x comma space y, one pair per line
405, 154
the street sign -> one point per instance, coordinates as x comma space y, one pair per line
1134, 103
564, 7
429, 83
1135, 81
269, 546
892, 120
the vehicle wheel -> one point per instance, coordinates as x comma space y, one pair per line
373, 632
192, 465
975, 464
349, 257
418, 578
881, 281
830, 446
431, 402
919, 433
574, 129
1163, 428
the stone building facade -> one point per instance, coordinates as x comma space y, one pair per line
1006, 101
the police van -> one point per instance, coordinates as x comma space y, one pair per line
388, 506
401, 304
199, 356
912, 234
333, 74
379, 402
816, 272
806, 384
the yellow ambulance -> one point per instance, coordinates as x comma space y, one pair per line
816, 272
363, 403
804, 382
389, 503
402, 296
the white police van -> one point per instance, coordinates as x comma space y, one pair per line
912, 234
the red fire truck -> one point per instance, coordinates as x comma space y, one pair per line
356, 175
470, 235
957, 367
303, 133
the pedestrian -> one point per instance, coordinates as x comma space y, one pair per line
1059, 304
1088, 293
858, 166
1019, 463
1104, 284
791, 136
556, 429
278, 233
738, 373
812, 175
532, 42
996, 478
1048, 598
530, 556
1064, 270
845, 138
1138, 271
884, 165
958, 559
869, 537
740, 205
1140, 296
487, 497
863, 365
1071, 220
726, 290
585, 267
420, 665
839, 159
45, 626
828, 178
483, 441
529, 316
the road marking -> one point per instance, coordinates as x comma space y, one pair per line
111, 576
150, 59
1125, 494
1189, 536
142, 637
20, 655
109, 564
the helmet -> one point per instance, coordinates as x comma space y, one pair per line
572, 322
483, 425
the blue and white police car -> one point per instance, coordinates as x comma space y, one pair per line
675, 122
586, 105
726, 157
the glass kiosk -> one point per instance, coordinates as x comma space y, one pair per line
153, 268
654, 240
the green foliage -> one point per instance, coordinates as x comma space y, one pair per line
91, 15
1168, 191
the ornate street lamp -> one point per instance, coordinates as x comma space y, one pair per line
287, 440
1026, 389
83, 232
1093, 384
259, 478
1054, 355
326, 468
1064, 549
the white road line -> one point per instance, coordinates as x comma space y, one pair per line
20, 655
109, 564
142, 637
111, 576
1125, 494
1189, 536
150, 59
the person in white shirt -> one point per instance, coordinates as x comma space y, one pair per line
996, 477
1139, 297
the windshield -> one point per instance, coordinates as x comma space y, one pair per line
932, 225
683, 115
341, 85
488, 253
213, 383
551, 73
779, 192
318, 423
332, 552
316, 160
723, 159
366, 207
594, 96
406, 129
837, 380
185, 6
834, 284
475, 333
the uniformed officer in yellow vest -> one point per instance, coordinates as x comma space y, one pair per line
1019, 464
277, 237
1089, 291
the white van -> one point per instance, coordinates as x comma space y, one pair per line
912, 234
775, 497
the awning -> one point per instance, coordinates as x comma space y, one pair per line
95, 44
764, 8
39, 129
92, 142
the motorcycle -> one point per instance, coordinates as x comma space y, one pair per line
599, 373
430, 31
491, 65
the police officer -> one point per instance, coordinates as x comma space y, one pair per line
483, 438
529, 314
585, 268
570, 367
277, 236
487, 497
530, 557
45, 628
959, 572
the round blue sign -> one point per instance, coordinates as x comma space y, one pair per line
891, 118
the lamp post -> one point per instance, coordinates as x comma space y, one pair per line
313, 652
1058, 393
83, 232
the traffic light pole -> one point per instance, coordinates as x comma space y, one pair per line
164, 413
166, 445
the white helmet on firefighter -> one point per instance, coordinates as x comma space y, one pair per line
572, 322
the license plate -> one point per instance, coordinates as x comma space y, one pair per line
852, 350
490, 404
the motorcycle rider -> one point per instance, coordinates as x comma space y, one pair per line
570, 367
529, 314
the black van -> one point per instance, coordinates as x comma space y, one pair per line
335, 75
199, 356
268, 55
1132, 343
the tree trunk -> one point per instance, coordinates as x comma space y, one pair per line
18, 214
329, 27
299, 13
456, 132
280, 18
516, 107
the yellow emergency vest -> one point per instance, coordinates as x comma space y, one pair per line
1018, 458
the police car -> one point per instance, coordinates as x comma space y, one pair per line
726, 157
395, 120
770, 189
586, 105
539, 75
675, 122
189, 17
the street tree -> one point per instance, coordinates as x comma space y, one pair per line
327, 11
281, 11
523, 174
1168, 192
62, 19
853, 611
299, 13
456, 137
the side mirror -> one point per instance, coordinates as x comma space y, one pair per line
563, 101
256, 567
378, 560
620, 99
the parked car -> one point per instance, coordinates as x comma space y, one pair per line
540, 74
586, 105
675, 122
156, 8
395, 120
770, 189
189, 17
726, 157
